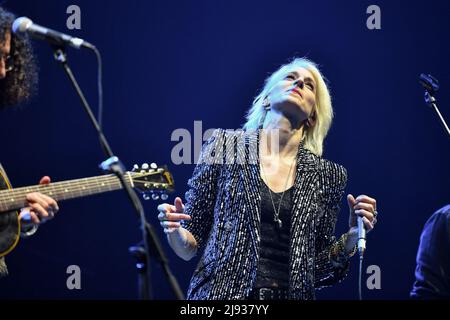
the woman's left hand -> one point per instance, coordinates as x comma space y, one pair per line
365, 207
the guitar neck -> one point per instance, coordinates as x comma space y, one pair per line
14, 199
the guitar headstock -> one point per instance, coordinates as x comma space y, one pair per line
152, 181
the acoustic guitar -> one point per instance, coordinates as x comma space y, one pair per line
151, 181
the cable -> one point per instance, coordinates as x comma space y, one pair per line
361, 257
100, 87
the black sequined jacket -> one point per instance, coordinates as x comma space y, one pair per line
224, 203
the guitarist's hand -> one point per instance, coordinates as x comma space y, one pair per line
40, 207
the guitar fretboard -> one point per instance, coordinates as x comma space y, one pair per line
16, 198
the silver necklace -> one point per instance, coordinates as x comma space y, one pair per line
276, 215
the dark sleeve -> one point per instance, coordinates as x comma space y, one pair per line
328, 269
3, 268
433, 258
201, 196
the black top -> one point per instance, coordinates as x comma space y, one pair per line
273, 266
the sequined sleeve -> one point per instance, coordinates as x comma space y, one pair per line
201, 196
3, 268
331, 265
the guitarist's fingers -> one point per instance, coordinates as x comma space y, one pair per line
52, 204
44, 201
41, 212
45, 180
35, 218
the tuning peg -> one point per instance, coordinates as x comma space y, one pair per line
145, 166
155, 196
153, 165
136, 167
164, 196
146, 197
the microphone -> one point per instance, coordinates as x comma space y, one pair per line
430, 83
361, 236
25, 25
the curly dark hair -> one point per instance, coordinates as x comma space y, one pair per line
20, 84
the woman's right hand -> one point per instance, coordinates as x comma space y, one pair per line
171, 215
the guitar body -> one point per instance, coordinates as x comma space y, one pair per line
9, 222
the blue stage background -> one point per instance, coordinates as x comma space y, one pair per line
168, 64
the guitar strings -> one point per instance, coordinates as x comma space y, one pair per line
70, 188
64, 187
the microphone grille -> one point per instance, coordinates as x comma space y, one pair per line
429, 82
21, 24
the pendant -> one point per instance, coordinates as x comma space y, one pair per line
279, 223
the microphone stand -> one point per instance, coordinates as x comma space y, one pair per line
431, 102
150, 243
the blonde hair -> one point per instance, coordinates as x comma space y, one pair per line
315, 135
